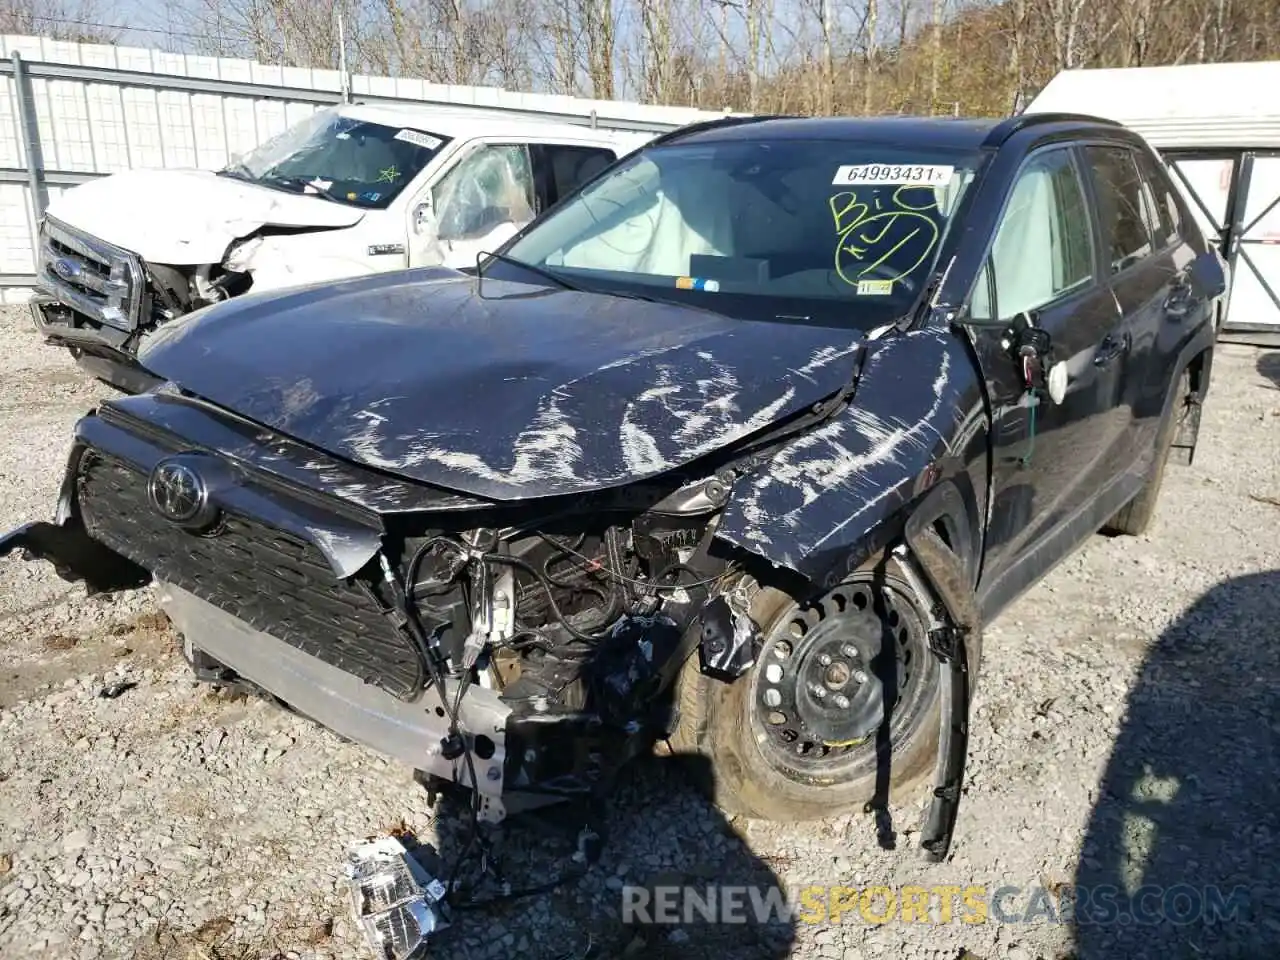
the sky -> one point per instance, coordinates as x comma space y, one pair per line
138, 23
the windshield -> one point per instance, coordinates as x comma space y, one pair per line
340, 158
790, 227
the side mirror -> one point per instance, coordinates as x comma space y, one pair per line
1031, 348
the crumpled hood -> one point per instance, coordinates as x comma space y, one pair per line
510, 392
187, 217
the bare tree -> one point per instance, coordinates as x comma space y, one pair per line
869, 60
80, 21
869, 56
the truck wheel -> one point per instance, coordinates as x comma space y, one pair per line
1134, 518
798, 736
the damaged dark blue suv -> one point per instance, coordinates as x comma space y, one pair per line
732, 452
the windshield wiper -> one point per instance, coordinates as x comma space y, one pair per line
540, 271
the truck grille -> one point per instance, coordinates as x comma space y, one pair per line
275, 582
97, 279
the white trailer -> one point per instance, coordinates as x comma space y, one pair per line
1218, 128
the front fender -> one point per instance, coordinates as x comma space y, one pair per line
917, 419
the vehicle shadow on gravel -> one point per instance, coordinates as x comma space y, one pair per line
1268, 365
664, 845
1182, 853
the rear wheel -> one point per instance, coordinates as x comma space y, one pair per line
1134, 518
803, 734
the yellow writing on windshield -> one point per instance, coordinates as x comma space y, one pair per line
868, 235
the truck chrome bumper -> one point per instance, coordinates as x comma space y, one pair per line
100, 352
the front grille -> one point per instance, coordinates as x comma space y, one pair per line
275, 582
98, 279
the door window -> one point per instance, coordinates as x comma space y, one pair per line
1124, 223
489, 187
567, 168
1044, 245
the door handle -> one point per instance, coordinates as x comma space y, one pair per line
1110, 348
1180, 301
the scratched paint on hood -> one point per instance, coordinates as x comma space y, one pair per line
506, 392
816, 497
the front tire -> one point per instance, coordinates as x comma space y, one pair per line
777, 751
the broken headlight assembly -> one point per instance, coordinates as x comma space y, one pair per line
241, 254
394, 900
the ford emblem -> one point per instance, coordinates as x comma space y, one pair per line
66, 269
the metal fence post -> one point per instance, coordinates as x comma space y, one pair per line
29, 130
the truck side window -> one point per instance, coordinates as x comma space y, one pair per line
490, 186
1124, 224
1043, 247
568, 167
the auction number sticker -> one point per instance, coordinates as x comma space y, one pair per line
418, 139
875, 288
893, 174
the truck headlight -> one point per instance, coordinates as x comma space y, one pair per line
239, 256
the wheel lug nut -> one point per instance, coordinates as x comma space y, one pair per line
850, 651
841, 701
860, 676
818, 691
824, 660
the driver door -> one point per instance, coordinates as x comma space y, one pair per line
1052, 464
485, 199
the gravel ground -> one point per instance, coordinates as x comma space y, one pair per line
1126, 733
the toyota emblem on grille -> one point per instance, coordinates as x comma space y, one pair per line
66, 269
177, 491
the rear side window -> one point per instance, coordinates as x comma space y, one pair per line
1124, 218
1167, 216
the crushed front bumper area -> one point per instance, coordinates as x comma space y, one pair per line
103, 352
409, 731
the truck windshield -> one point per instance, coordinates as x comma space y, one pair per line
772, 228
341, 158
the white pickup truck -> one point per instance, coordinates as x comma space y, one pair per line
353, 189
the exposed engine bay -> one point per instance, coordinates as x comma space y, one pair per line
179, 290
578, 630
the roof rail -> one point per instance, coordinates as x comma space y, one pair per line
715, 123
1006, 128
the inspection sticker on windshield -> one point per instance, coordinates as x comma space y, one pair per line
697, 283
418, 138
893, 173
874, 288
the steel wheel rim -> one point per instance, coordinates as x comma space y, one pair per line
811, 744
